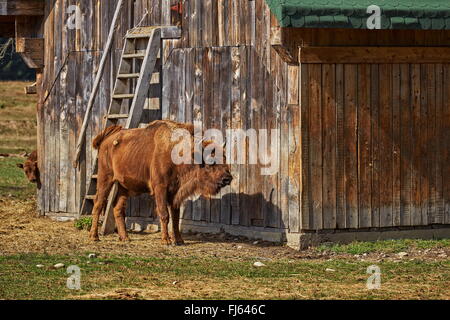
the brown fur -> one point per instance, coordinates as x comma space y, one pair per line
30, 168
104, 134
140, 161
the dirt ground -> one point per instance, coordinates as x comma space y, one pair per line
22, 231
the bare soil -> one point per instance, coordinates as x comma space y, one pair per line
22, 231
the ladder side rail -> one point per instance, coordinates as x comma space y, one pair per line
82, 136
143, 83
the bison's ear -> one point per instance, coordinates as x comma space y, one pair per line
20, 165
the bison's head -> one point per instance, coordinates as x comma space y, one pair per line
31, 170
214, 176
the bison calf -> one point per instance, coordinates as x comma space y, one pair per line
30, 167
140, 161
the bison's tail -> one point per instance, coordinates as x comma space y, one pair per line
104, 134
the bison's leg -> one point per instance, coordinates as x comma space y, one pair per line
163, 212
176, 235
119, 213
104, 185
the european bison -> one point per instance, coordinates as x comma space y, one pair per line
30, 167
140, 161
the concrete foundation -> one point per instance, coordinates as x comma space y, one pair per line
304, 240
299, 241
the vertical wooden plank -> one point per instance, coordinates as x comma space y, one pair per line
306, 209
208, 100
341, 221
245, 96
284, 162
72, 120
446, 144
165, 12
386, 151
272, 214
225, 107
236, 123
154, 8
197, 206
215, 19
181, 79
431, 143
254, 178
416, 215
439, 147
189, 108
315, 144
243, 21
186, 5
425, 100
294, 167
376, 166
167, 78
235, 22
350, 145
56, 134
396, 150
329, 145
406, 145
64, 77
213, 111
364, 147
227, 23
221, 22
207, 29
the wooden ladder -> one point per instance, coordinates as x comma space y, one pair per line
132, 84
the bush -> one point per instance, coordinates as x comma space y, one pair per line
83, 223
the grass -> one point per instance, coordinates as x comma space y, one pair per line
384, 246
17, 118
13, 183
17, 135
14, 103
208, 278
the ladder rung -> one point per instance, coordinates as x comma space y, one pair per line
128, 75
90, 197
123, 96
118, 116
134, 55
138, 35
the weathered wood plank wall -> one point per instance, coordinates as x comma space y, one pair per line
361, 145
393, 150
213, 73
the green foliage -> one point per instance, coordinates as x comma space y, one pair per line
84, 223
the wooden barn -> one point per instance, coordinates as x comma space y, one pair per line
360, 96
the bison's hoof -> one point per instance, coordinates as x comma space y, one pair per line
94, 238
178, 243
166, 242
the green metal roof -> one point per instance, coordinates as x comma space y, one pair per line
395, 14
